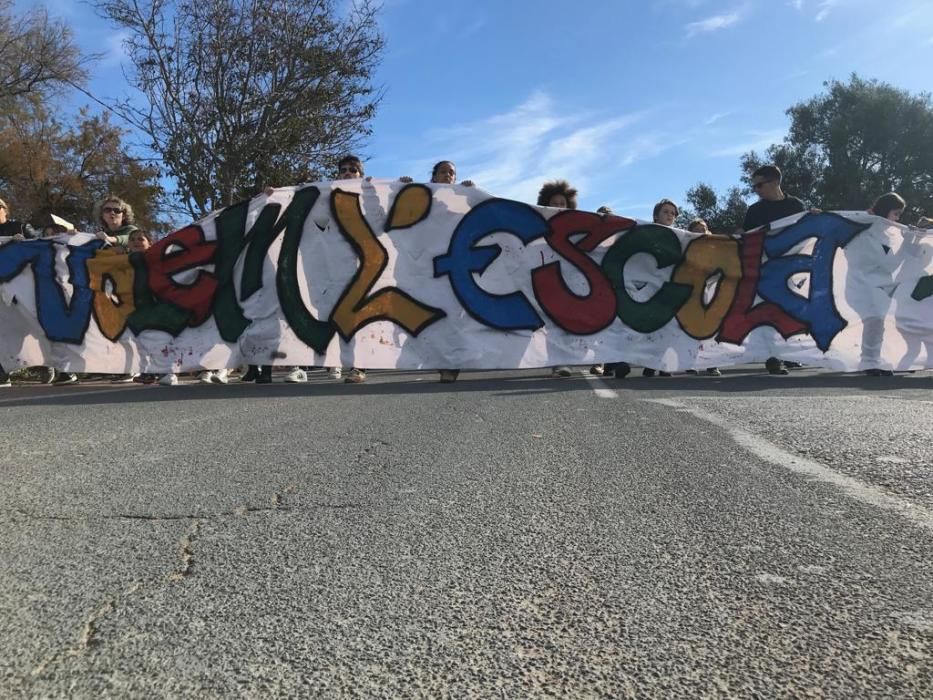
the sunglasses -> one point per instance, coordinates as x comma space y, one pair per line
112, 210
350, 169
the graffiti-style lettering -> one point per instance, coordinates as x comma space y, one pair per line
705, 257
312, 332
411, 206
357, 307
818, 309
231, 241
662, 244
164, 261
592, 312
151, 313
111, 279
464, 259
745, 316
62, 321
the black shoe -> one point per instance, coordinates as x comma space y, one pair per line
692, 371
265, 375
620, 370
5, 379
879, 373
647, 372
252, 374
66, 378
776, 366
664, 374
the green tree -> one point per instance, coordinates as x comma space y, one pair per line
722, 213
240, 94
49, 167
854, 142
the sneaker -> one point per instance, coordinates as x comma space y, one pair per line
449, 376
664, 374
124, 379
879, 373
5, 381
713, 372
206, 377
335, 373
66, 378
46, 374
296, 376
221, 376
620, 370
598, 370
252, 374
145, 378
355, 376
776, 366
265, 375
646, 372
561, 371
170, 379
692, 371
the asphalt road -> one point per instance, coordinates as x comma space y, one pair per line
507, 536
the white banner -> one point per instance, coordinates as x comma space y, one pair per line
391, 275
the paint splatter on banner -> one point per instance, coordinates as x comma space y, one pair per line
392, 275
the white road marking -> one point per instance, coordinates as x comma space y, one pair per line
600, 389
849, 486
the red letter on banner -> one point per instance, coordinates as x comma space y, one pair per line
587, 314
743, 317
192, 251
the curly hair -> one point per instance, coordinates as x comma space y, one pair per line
128, 217
549, 189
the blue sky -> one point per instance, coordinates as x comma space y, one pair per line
630, 100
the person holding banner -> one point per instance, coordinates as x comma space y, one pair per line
18, 231
665, 213
116, 219
445, 173
877, 270
559, 195
772, 204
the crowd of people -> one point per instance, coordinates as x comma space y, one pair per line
116, 227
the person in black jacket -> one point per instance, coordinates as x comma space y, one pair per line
14, 229
773, 204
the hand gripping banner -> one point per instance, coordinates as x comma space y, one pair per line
392, 275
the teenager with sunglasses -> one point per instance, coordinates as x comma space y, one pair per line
772, 204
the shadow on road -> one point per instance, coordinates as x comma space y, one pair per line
514, 383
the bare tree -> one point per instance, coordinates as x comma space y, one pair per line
242, 94
37, 54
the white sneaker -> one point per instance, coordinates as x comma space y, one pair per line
169, 380
296, 376
124, 379
220, 376
206, 377
335, 373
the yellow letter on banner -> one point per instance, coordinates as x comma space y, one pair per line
111, 308
354, 309
704, 257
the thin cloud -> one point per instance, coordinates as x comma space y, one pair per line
716, 117
514, 152
712, 24
757, 141
823, 9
